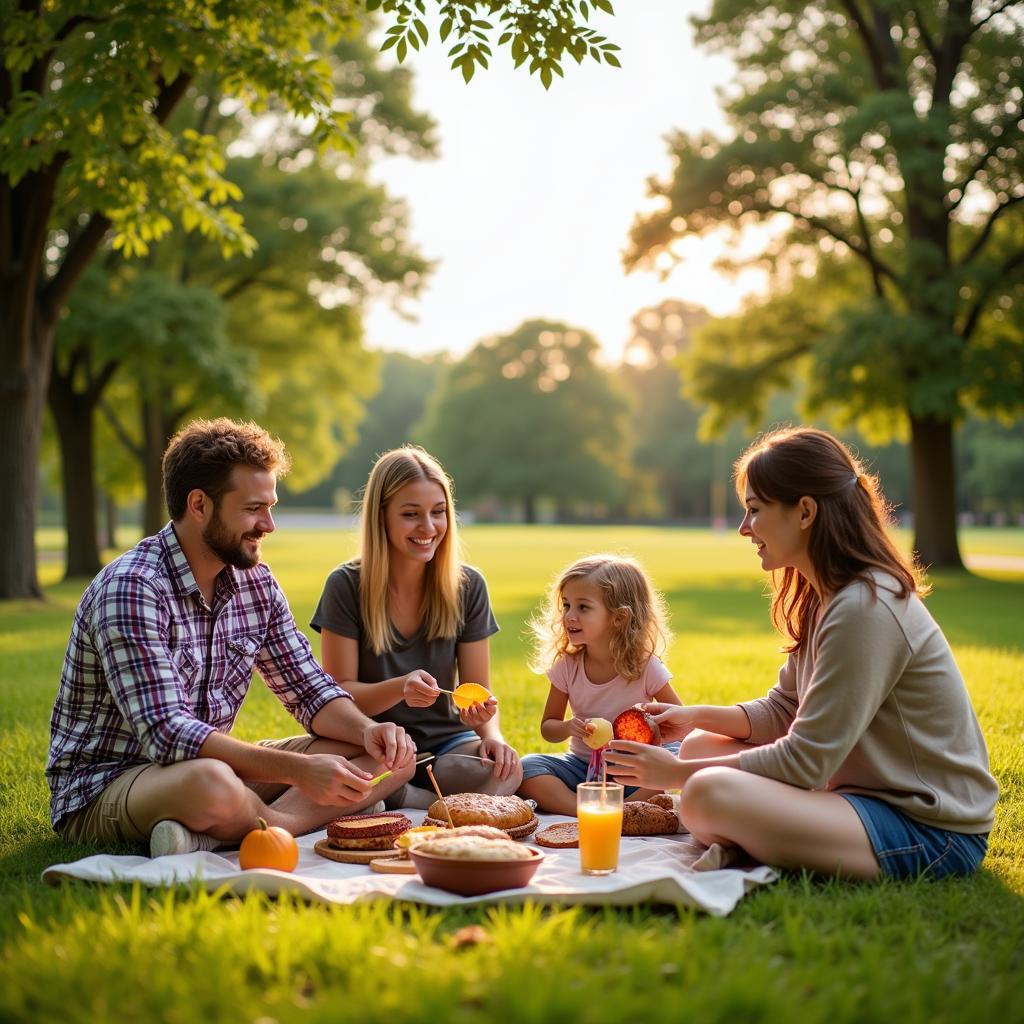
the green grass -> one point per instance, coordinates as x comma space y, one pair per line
799, 949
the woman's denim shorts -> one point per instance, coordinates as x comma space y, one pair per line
905, 848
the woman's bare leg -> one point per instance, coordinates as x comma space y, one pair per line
778, 824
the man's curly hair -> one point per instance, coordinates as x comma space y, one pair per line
203, 454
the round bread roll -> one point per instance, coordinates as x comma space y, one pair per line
640, 818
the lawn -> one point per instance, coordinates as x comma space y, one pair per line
800, 949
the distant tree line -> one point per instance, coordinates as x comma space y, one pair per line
532, 424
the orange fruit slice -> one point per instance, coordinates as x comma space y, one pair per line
468, 694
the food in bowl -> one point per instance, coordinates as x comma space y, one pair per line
473, 865
474, 847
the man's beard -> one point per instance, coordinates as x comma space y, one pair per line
226, 547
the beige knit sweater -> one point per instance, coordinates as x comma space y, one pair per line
874, 703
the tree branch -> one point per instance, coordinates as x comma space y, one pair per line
926, 36
1008, 121
957, 33
56, 292
73, 22
240, 286
120, 433
999, 278
998, 9
979, 242
102, 379
864, 251
80, 252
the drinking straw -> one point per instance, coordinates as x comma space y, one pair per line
433, 782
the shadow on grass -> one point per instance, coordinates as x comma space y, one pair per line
977, 610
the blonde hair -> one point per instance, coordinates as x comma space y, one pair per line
442, 611
636, 636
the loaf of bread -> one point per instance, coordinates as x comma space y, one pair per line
502, 812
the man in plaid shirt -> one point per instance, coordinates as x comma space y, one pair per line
161, 654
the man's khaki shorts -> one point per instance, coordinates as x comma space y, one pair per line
106, 819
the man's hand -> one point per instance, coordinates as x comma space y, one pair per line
420, 689
504, 757
389, 743
331, 779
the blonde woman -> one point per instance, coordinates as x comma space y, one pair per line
406, 619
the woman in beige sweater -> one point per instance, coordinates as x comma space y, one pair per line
865, 759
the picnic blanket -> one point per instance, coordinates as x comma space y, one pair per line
656, 869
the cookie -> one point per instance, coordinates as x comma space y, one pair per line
368, 826
565, 835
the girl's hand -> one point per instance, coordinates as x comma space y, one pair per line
643, 765
577, 727
504, 757
674, 721
477, 714
420, 690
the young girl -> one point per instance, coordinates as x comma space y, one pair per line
601, 638
399, 620
865, 759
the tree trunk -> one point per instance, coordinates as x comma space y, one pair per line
110, 522
155, 435
73, 416
934, 493
22, 397
530, 508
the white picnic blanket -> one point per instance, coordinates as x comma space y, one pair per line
656, 869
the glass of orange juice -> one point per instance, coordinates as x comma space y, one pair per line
599, 812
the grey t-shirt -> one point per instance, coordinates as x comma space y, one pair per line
338, 612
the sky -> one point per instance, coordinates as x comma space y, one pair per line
528, 209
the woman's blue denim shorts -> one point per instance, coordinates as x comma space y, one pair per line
906, 849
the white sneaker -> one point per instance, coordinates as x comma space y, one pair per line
171, 837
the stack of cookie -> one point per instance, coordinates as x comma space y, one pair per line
361, 838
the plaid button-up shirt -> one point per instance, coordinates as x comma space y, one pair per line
151, 670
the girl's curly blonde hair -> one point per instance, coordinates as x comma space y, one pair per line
636, 636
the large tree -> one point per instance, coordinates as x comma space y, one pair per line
86, 93
887, 136
532, 415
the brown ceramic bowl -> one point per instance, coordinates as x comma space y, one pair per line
474, 877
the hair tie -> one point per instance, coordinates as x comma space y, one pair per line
854, 480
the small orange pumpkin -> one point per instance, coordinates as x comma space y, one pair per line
268, 847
